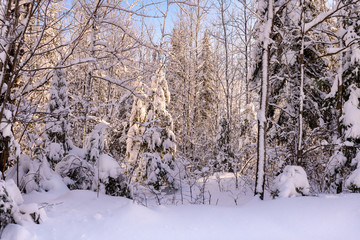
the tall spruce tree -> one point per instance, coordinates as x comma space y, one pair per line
345, 94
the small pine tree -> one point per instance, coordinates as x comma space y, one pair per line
151, 141
56, 141
225, 155
94, 143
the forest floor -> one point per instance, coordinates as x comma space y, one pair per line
77, 215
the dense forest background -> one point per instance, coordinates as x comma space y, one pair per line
125, 97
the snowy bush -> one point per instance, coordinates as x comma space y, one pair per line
112, 177
292, 182
12, 209
353, 181
7, 207
159, 172
335, 171
33, 175
94, 142
76, 172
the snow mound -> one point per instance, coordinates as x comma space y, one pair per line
291, 183
30, 213
13, 191
35, 175
16, 232
108, 167
12, 209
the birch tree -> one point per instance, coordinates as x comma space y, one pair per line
265, 26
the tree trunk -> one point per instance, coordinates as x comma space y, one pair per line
262, 120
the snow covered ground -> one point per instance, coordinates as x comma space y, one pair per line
76, 215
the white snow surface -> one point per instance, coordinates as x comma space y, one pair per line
80, 215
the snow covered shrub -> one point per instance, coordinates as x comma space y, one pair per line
7, 207
33, 175
117, 187
353, 181
335, 171
224, 156
12, 209
94, 143
291, 182
112, 177
159, 172
76, 172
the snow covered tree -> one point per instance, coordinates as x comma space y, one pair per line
177, 75
151, 142
300, 80
207, 104
343, 95
225, 156
350, 91
80, 169
261, 73
120, 127
56, 129
12, 36
190, 73
94, 143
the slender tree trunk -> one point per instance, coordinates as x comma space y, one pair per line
299, 155
262, 121
89, 81
339, 104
